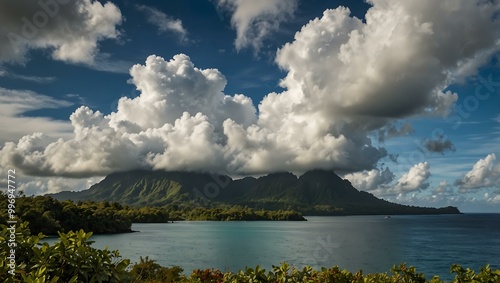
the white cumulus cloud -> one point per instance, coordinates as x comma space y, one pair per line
255, 20
381, 182
371, 180
163, 128
416, 179
485, 173
70, 29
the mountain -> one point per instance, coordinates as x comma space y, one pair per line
317, 192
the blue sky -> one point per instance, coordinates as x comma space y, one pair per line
402, 99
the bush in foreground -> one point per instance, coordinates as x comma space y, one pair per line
73, 259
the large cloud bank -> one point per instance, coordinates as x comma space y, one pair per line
347, 79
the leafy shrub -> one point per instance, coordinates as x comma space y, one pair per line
71, 259
149, 271
487, 275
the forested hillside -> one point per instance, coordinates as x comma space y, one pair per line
317, 192
50, 216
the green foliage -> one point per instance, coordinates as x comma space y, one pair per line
232, 213
407, 274
487, 275
283, 273
208, 276
71, 259
149, 271
146, 214
49, 216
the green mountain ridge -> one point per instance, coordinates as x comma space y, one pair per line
317, 192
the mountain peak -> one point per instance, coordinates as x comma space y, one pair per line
316, 192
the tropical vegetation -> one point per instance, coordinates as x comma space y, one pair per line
233, 213
49, 216
73, 259
316, 192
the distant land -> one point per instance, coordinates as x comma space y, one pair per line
317, 192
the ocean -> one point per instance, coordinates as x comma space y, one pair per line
368, 243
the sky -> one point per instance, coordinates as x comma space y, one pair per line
402, 98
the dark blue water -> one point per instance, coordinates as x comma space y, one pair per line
370, 243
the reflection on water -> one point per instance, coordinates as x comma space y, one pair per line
370, 243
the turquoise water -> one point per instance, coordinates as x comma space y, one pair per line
370, 243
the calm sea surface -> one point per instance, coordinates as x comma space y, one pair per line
370, 243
